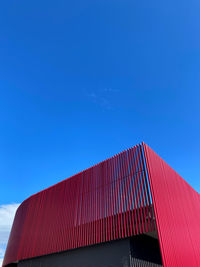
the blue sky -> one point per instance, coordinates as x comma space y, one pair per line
83, 80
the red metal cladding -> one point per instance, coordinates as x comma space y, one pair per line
108, 201
114, 199
177, 212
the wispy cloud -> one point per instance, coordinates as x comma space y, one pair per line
7, 213
103, 97
112, 90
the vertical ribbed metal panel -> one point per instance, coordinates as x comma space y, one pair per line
177, 212
108, 201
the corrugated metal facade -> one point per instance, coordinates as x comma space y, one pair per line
109, 201
114, 199
177, 212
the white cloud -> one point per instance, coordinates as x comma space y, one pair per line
7, 213
103, 97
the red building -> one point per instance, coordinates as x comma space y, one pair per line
130, 210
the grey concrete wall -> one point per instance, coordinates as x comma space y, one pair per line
138, 251
112, 254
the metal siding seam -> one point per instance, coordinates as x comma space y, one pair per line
95, 230
54, 219
66, 217
115, 234
174, 258
120, 194
19, 250
135, 189
96, 210
102, 201
81, 217
86, 208
77, 188
69, 214
98, 216
94, 205
112, 229
116, 214
51, 224
74, 212
44, 220
83, 211
126, 197
23, 251
58, 220
142, 208
144, 190
28, 251
140, 174
130, 203
149, 205
40, 245
91, 206
20, 228
62, 217
109, 202
134, 196
106, 202
90, 209
98, 206
99, 192
114, 202
153, 199
138, 188
117, 197
123, 190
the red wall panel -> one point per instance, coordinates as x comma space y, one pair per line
114, 199
108, 201
177, 212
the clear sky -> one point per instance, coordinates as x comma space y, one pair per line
83, 80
